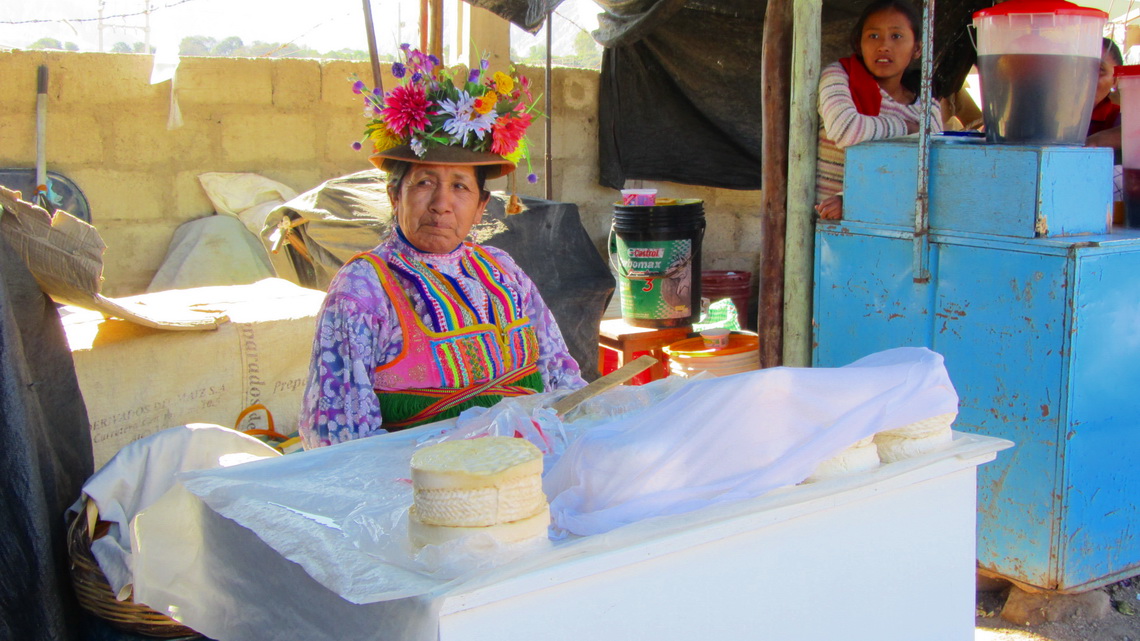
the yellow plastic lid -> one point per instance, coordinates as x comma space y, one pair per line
695, 347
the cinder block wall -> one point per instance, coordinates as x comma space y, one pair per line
289, 120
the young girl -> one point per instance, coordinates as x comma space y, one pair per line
870, 95
1106, 113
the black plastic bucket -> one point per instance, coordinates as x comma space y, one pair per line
656, 251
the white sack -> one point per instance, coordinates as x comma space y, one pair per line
143, 471
250, 197
735, 437
137, 381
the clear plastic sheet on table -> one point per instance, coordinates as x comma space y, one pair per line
338, 512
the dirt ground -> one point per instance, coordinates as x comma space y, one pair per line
1121, 624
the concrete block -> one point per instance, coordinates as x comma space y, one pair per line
537, 78
77, 137
337, 132
575, 140
18, 69
751, 231
255, 142
139, 139
721, 231
736, 261
296, 84
101, 79
189, 199
336, 83
19, 135
738, 199
118, 196
134, 253
299, 179
225, 81
196, 143
577, 90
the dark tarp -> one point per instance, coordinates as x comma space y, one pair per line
351, 214
680, 84
45, 456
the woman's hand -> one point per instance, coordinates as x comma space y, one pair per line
831, 208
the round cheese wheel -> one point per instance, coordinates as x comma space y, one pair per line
532, 527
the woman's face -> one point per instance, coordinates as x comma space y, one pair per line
1105, 80
436, 205
887, 44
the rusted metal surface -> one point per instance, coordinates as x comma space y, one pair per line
1041, 340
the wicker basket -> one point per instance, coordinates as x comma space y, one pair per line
94, 593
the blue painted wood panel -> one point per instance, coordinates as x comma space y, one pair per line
1005, 190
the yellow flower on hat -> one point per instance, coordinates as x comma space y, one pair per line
520, 151
504, 84
383, 139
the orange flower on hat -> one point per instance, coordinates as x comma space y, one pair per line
486, 102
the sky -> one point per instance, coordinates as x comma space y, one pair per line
338, 25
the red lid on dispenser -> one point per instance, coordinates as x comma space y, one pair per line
1126, 70
1059, 7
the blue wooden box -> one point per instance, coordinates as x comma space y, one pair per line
1042, 341
1007, 190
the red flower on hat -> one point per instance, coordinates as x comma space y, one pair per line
406, 110
507, 131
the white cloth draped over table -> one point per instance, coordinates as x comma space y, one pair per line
337, 512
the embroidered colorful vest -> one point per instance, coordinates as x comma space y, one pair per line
464, 358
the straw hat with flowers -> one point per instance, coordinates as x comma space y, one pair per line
451, 115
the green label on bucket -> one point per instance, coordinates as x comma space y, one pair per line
655, 278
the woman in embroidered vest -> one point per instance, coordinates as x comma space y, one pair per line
426, 325
870, 95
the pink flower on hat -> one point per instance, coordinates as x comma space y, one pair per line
406, 110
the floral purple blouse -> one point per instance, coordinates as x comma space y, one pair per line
357, 330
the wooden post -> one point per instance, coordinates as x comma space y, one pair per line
424, 25
775, 77
370, 30
803, 134
435, 35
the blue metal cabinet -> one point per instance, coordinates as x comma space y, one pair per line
1041, 337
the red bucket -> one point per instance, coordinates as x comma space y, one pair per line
734, 284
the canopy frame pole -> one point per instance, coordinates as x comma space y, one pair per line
775, 76
548, 159
921, 257
803, 147
373, 54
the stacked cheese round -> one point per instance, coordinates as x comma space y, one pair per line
863, 456
491, 485
915, 439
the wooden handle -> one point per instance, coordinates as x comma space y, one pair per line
609, 381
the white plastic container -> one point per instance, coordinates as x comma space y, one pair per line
1038, 62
